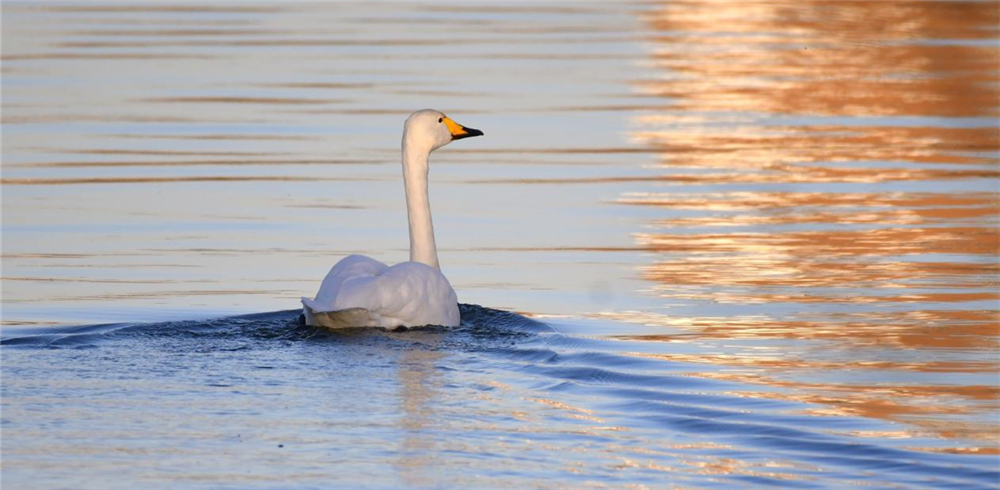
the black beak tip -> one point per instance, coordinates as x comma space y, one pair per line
470, 132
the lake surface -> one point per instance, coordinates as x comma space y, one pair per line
718, 245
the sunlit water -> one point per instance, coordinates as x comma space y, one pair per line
749, 244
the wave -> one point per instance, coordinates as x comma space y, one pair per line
660, 404
479, 323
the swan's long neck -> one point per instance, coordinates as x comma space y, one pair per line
418, 206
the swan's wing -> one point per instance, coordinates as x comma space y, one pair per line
349, 267
409, 294
353, 317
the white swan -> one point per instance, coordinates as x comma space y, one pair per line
363, 292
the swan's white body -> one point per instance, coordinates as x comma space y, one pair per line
406, 294
363, 292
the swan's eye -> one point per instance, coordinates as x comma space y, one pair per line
440, 119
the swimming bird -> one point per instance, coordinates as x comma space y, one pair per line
362, 292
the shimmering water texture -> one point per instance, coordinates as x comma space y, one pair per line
502, 401
751, 244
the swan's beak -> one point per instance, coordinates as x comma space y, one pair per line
458, 131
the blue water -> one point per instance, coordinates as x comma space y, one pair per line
503, 401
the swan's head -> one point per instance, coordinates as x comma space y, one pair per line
432, 129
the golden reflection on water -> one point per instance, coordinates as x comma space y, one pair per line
866, 277
828, 57
419, 396
786, 208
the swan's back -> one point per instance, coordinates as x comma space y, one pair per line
348, 267
410, 294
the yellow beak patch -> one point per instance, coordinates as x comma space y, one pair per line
458, 131
455, 128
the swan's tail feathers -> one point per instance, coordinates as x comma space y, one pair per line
311, 304
350, 317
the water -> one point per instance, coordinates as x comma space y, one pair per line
748, 244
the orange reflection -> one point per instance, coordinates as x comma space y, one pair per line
914, 330
780, 99
778, 150
828, 57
